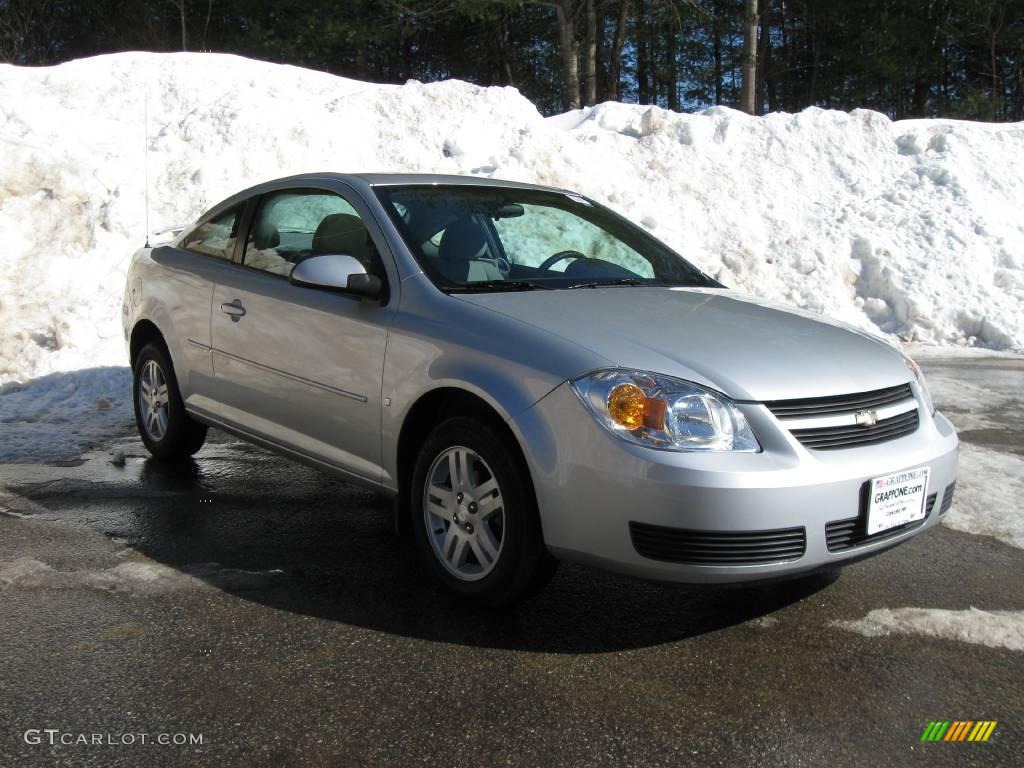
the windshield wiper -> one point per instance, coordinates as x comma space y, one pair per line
494, 286
617, 281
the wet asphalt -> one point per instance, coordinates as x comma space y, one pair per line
270, 609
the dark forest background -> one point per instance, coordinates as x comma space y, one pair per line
907, 58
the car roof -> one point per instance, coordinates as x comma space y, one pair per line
365, 181
396, 179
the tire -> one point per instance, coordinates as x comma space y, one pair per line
480, 535
167, 431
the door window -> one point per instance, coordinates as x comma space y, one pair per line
296, 224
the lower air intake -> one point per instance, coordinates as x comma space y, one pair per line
681, 545
846, 534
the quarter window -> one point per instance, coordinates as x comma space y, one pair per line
215, 237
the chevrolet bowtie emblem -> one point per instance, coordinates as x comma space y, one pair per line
867, 418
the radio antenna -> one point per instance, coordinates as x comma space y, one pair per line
145, 156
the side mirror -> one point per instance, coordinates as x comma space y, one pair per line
336, 272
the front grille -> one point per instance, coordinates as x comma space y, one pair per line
830, 438
947, 500
846, 534
680, 545
829, 406
800, 416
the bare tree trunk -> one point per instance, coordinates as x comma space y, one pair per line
763, 54
180, 5
995, 74
590, 54
206, 27
615, 58
1018, 99
671, 67
568, 45
643, 82
184, 40
748, 87
812, 90
362, 68
505, 60
716, 34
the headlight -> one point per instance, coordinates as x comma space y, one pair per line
926, 396
661, 412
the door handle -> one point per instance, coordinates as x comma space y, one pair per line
234, 309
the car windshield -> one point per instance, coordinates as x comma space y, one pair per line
476, 239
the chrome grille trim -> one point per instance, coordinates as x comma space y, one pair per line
821, 406
834, 422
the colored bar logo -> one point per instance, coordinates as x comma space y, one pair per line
959, 730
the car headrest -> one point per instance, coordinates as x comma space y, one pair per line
265, 236
464, 239
342, 233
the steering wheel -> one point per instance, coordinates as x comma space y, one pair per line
550, 261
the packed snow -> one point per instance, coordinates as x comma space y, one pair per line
140, 576
53, 417
988, 495
911, 228
996, 629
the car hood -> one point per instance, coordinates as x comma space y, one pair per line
745, 347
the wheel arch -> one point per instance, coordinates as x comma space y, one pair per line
142, 334
424, 415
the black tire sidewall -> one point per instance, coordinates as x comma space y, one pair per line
521, 536
183, 436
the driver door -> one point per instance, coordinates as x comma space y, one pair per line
302, 367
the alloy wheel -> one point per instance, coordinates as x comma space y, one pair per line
464, 513
153, 404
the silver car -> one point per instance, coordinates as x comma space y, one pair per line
532, 378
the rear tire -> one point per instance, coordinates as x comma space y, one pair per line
167, 431
474, 516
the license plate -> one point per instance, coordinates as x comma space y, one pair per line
897, 499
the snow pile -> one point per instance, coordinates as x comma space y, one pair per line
51, 418
145, 577
988, 495
909, 228
149, 578
996, 629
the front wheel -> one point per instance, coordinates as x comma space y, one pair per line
167, 431
474, 516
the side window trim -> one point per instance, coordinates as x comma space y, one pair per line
253, 207
248, 214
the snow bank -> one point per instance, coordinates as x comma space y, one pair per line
138, 577
909, 228
53, 417
988, 495
996, 629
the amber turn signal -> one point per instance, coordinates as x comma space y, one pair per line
630, 408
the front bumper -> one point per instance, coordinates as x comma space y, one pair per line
592, 485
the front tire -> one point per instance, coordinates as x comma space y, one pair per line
474, 515
167, 431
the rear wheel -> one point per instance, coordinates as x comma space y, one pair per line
474, 516
167, 431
